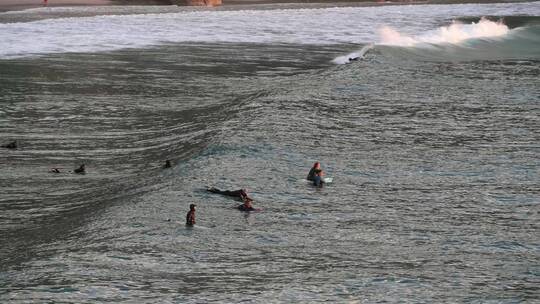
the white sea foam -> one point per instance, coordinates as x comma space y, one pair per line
454, 33
358, 25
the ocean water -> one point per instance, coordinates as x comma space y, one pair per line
432, 137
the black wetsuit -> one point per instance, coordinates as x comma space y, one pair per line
80, 170
190, 218
317, 181
316, 178
235, 193
311, 174
11, 145
244, 208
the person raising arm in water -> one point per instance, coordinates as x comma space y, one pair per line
190, 216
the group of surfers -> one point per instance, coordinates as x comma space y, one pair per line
241, 194
79, 170
315, 175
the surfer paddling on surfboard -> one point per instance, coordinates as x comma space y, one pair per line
241, 193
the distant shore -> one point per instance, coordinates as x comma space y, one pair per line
10, 5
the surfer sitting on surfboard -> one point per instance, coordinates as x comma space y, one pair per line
311, 174
315, 175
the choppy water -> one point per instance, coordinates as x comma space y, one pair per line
432, 138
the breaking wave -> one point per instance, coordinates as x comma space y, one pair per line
484, 38
454, 33
94, 30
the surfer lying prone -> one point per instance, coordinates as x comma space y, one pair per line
241, 193
11, 145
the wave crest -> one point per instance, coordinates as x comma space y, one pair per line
454, 33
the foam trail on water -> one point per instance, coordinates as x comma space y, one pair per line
352, 56
453, 33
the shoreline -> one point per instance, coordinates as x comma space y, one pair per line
18, 5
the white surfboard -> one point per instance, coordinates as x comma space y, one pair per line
326, 180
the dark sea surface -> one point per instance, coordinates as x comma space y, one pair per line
432, 138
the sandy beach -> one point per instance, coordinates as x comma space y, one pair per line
9, 5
